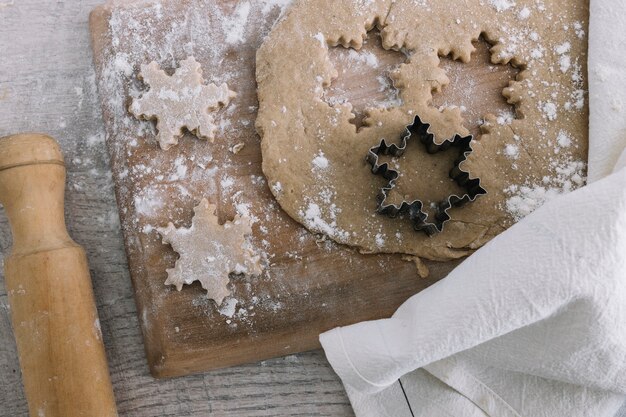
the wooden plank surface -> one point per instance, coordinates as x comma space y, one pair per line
308, 286
46, 62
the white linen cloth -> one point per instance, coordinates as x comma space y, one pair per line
607, 86
534, 323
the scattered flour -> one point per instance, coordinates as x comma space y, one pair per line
148, 203
501, 5
549, 110
392, 98
563, 48
227, 182
511, 151
269, 5
525, 199
505, 118
314, 219
95, 140
236, 26
320, 161
537, 53
367, 58
180, 170
563, 139
121, 64
524, 13
244, 210
320, 37
565, 63
277, 187
578, 28
228, 307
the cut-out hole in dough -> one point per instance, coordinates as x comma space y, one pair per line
363, 77
476, 87
426, 178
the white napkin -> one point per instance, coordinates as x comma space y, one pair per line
607, 86
534, 323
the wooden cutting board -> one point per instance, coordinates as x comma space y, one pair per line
310, 284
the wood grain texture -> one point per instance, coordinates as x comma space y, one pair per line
308, 286
183, 331
46, 57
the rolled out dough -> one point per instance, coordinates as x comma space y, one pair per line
314, 158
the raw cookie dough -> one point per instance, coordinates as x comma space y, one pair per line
314, 158
180, 101
209, 252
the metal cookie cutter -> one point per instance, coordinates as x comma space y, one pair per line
413, 209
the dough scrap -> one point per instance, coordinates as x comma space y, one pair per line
182, 100
210, 252
314, 158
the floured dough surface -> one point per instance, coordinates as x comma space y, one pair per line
314, 158
210, 252
181, 100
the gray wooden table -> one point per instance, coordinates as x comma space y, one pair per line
47, 84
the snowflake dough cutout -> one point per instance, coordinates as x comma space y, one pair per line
182, 100
420, 130
210, 252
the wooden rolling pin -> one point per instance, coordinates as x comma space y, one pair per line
54, 316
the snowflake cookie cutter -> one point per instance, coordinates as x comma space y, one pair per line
413, 208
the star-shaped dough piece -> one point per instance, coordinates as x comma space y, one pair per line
182, 100
210, 252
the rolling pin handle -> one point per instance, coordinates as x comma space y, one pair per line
32, 185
